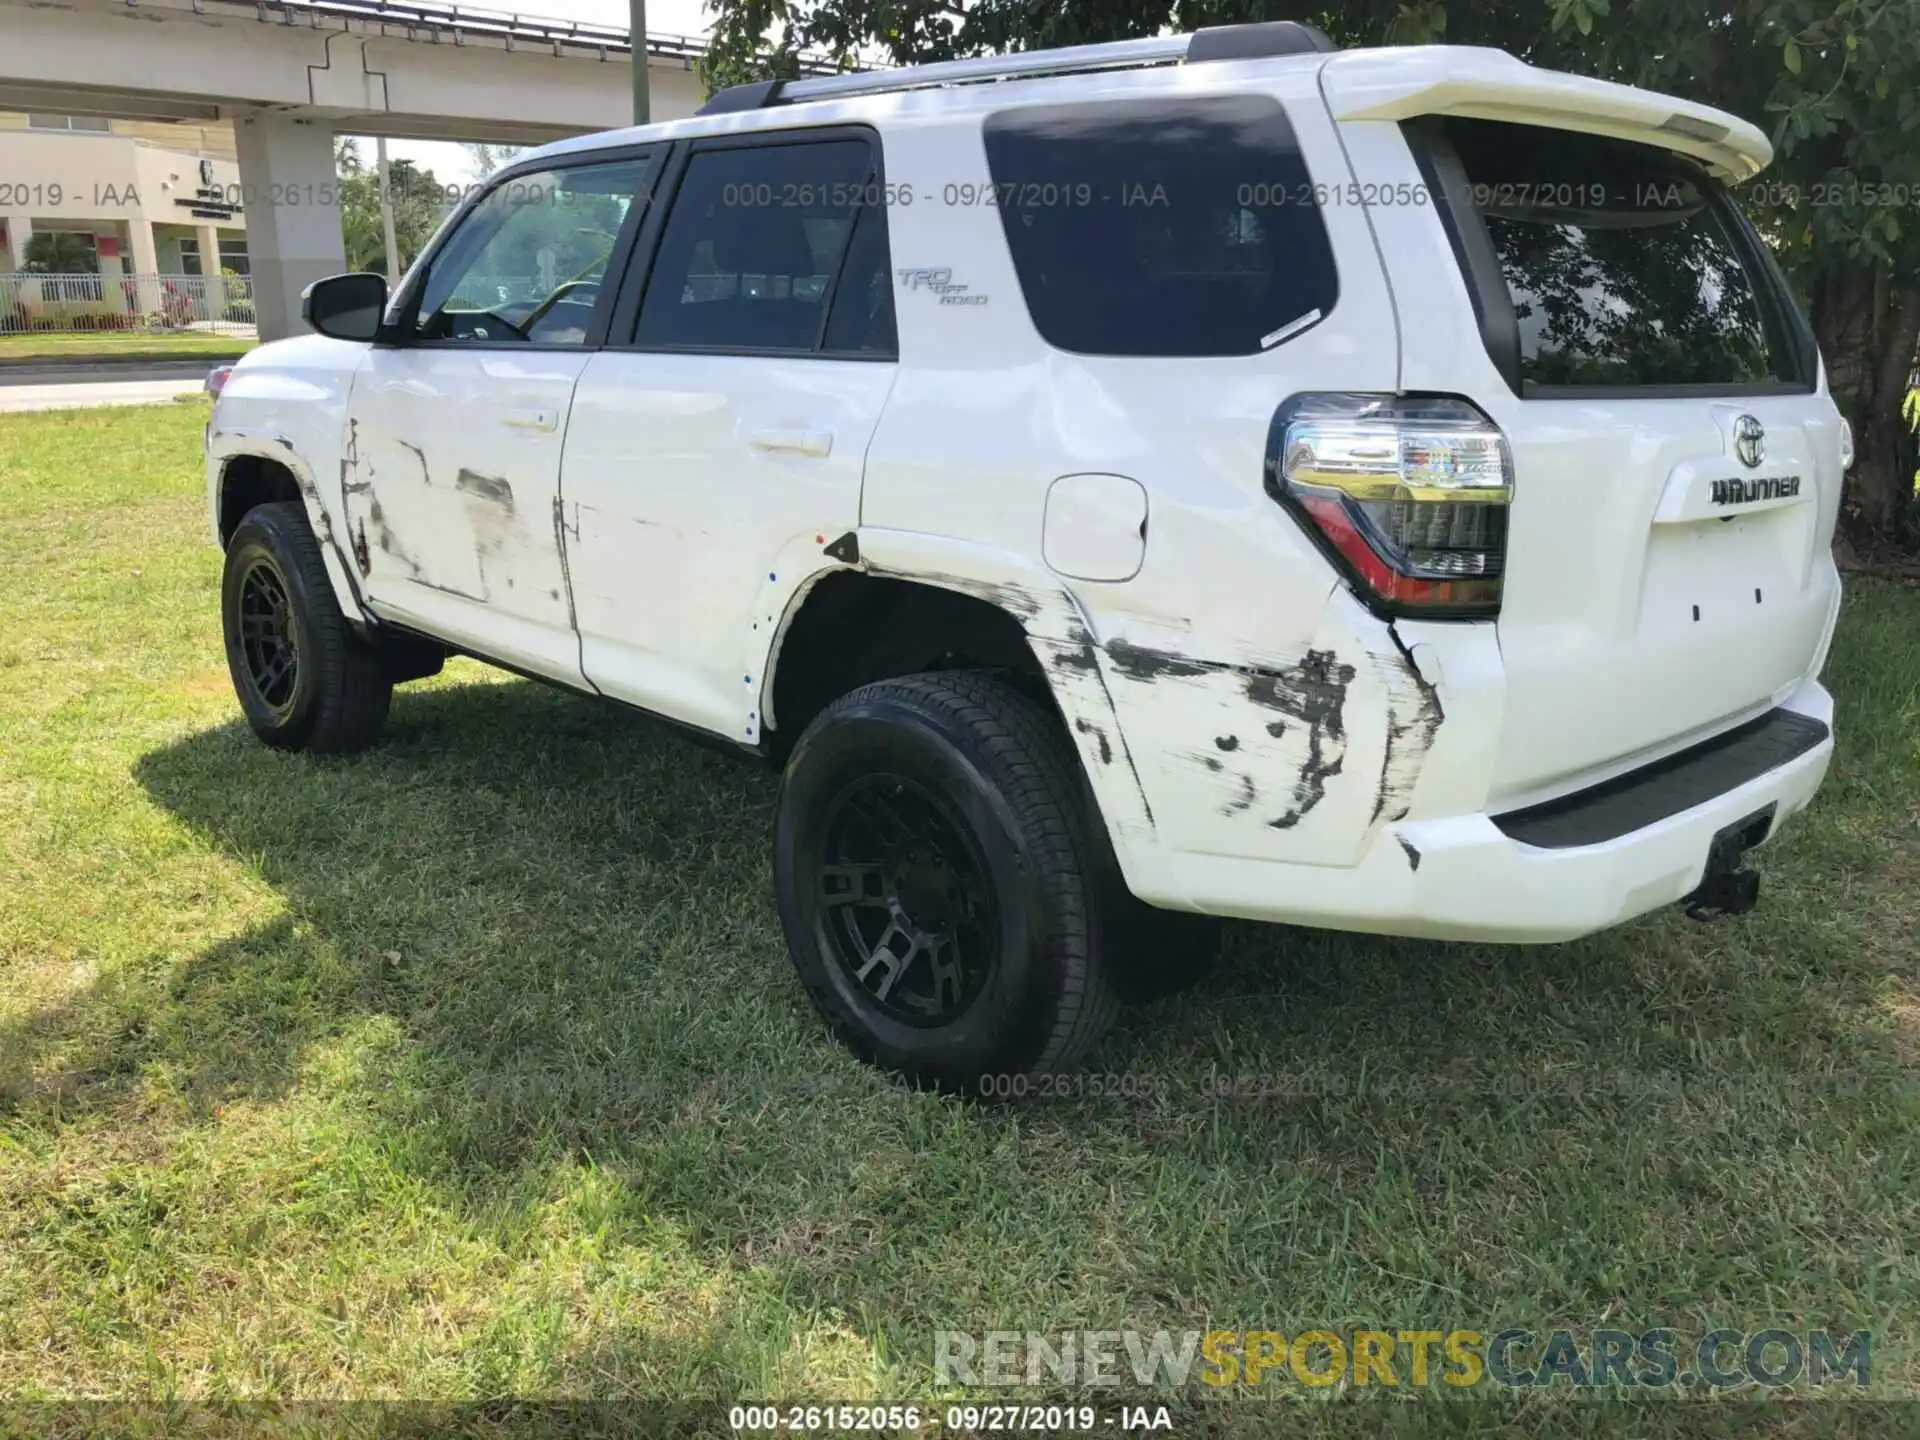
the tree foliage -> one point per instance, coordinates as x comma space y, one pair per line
60, 252
488, 158
420, 202
1834, 83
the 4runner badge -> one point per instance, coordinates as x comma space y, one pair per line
1761, 487
939, 281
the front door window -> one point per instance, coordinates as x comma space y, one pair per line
526, 264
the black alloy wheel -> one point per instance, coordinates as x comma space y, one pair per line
269, 641
939, 885
304, 678
906, 908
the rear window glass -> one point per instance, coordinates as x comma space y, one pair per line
1183, 227
1620, 260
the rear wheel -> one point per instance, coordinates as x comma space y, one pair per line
304, 679
937, 885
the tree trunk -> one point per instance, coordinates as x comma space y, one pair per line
1868, 326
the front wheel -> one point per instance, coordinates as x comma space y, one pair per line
304, 679
937, 885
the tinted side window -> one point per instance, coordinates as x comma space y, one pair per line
526, 263
1178, 227
862, 318
755, 248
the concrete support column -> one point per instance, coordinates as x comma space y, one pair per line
143, 254
19, 232
213, 288
143, 259
293, 218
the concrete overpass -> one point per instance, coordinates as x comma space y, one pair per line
290, 76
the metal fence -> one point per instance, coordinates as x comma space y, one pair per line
77, 304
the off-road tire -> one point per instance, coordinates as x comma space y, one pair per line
339, 693
999, 764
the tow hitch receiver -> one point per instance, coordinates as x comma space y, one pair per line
1725, 888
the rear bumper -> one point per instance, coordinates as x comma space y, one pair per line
1466, 877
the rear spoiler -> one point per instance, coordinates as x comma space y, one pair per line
1483, 84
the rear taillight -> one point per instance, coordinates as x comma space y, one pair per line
1408, 493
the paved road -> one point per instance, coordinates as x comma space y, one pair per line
60, 373
68, 394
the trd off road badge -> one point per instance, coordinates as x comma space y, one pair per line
938, 280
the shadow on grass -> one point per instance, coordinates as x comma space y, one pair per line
563, 922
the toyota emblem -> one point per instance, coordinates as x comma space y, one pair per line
1749, 441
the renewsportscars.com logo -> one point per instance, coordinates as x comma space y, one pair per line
1459, 1358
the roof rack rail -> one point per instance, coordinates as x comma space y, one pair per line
1218, 42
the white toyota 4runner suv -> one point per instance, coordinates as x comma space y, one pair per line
1385, 490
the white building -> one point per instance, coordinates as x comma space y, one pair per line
148, 198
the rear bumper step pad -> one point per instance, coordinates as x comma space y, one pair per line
1665, 788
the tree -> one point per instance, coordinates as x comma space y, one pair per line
1835, 83
420, 202
489, 158
60, 252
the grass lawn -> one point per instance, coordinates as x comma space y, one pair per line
122, 345
474, 1066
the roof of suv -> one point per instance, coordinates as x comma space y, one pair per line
1392, 83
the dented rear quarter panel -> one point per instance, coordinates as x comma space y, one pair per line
1255, 708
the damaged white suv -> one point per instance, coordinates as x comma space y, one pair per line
1385, 490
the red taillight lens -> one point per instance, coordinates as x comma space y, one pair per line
217, 379
1409, 493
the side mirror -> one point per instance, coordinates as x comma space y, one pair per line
345, 307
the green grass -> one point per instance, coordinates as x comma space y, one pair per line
121, 345
474, 1066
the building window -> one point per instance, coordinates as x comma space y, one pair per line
233, 255
83, 124
190, 255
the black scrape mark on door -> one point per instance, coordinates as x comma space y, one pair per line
1413, 855
491, 488
560, 533
1087, 727
1314, 692
350, 465
1227, 742
426, 475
